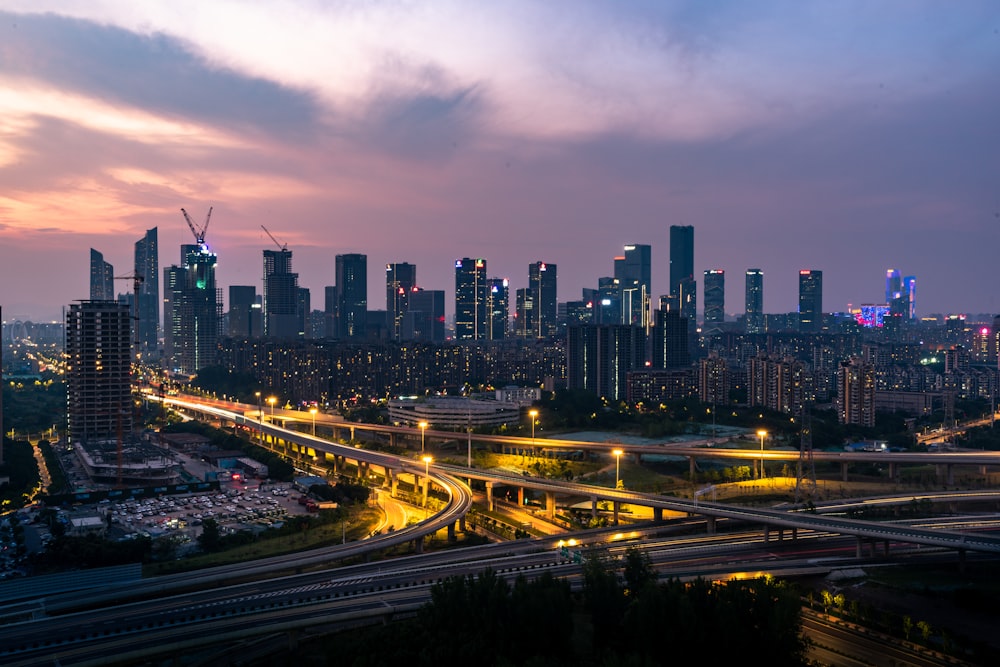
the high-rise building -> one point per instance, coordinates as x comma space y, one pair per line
497, 308
671, 342
893, 285
471, 298
715, 297
600, 357
147, 299
910, 294
102, 278
856, 393
683, 287
280, 296
524, 313
400, 281
542, 286
330, 311
352, 295
633, 273
192, 311
98, 368
714, 381
245, 317
303, 311
424, 319
755, 301
810, 300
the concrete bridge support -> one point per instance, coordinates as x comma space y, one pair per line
550, 505
418, 545
362, 470
617, 506
691, 469
710, 524
893, 471
593, 507
489, 496
843, 471
520, 496
657, 514
451, 532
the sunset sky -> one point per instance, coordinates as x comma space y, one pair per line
850, 137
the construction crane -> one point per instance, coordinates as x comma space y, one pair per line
281, 246
199, 233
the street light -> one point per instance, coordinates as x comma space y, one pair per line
272, 400
762, 434
260, 417
427, 464
423, 432
618, 459
533, 414
313, 412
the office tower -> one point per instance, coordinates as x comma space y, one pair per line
683, 287
671, 340
524, 313
633, 273
856, 393
470, 299
755, 301
147, 298
282, 318
893, 285
330, 311
102, 278
542, 279
352, 296
810, 300
910, 294
608, 308
245, 316
98, 367
497, 308
599, 358
424, 319
400, 280
192, 311
303, 310
715, 297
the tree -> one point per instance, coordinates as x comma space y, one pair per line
210, 538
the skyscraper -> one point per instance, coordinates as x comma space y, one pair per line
810, 300
245, 319
755, 301
400, 281
856, 393
633, 272
542, 287
683, 288
497, 308
715, 297
893, 286
352, 295
599, 358
102, 278
98, 367
424, 319
470, 299
910, 294
147, 267
671, 342
280, 304
192, 310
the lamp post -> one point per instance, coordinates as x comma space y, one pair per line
534, 415
423, 432
313, 412
427, 465
618, 459
763, 434
272, 400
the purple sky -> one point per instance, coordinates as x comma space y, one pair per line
845, 136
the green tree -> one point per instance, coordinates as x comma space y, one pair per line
210, 538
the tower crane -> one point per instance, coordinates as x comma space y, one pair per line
281, 246
199, 233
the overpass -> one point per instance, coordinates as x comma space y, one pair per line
864, 531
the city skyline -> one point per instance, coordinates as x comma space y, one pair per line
849, 139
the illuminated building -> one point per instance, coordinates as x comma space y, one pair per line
147, 267
400, 281
352, 296
671, 342
599, 358
542, 287
524, 313
245, 318
471, 296
424, 318
683, 287
856, 393
192, 311
755, 301
714, 380
810, 300
633, 273
98, 367
497, 308
715, 297
282, 318
102, 278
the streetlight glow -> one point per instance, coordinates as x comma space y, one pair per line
272, 400
618, 459
534, 415
423, 432
313, 412
427, 464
